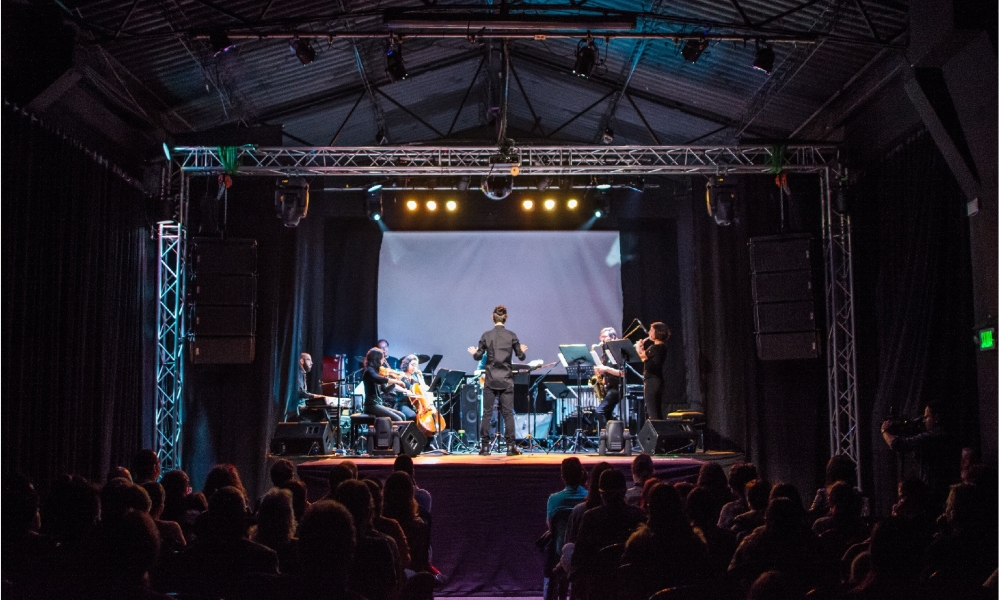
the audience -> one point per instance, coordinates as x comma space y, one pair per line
721, 543
642, 471
843, 526
739, 476
839, 469
299, 492
712, 477
399, 504
404, 464
376, 574
222, 475
388, 526
275, 528
145, 467
326, 547
171, 535
758, 493
337, 475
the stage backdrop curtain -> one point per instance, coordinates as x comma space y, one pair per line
75, 243
913, 297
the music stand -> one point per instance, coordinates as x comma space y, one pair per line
624, 354
579, 365
560, 393
432, 364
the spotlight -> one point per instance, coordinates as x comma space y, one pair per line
572, 204
302, 50
220, 42
373, 205
598, 213
411, 204
497, 187
720, 198
549, 204
603, 205
763, 59
451, 205
602, 184
528, 205
543, 184
586, 58
291, 200
432, 205
166, 150
394, 66
463, 183
608, 136
693, 48
374, 187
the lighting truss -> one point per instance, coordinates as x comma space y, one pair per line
841, 354
556, 160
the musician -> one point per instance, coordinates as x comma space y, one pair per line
411, 376
375, 382
500, 344
653, 351
305, 366
390, 361
610, 376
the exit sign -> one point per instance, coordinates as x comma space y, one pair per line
988, 339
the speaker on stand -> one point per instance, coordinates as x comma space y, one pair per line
469, 400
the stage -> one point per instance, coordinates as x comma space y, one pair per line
489, 510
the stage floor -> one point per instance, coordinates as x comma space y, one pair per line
489, 510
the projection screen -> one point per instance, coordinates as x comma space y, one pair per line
437, 290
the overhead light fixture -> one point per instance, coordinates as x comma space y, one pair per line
219, 41
720, 199
543, 184
527, 205
497, 187
411, 204
763, 58
693, 48
511, 19
463, 183
572, 203
373, 205
302, 50
549, 204
431, 205
451, 205
166, 151
374, 187
602, 184
603, 205
608, 136
291, 200
394, 66
586, 57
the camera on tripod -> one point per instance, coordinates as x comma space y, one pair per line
905, 426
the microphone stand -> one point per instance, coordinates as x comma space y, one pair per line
533, 421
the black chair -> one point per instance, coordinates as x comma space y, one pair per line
604, 581
357, 421
558, 581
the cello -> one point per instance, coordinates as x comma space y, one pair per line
429, 420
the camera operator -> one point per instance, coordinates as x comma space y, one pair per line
936, 451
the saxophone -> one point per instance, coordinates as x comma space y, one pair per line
597, 382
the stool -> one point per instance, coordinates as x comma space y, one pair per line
697, 422
358, 420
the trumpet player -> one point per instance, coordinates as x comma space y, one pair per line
653, 351
607, 379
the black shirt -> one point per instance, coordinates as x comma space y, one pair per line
499, 345
653, 365
938, 455
304, 393
373, 382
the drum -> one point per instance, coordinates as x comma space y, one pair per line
334, 367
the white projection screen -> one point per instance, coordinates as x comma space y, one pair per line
437, 290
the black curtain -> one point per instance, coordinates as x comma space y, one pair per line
75, 247
913, 297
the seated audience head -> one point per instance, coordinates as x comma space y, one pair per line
783, 517
338, 474
845, 501
326, 542
275, 517
20, 501
222, 475
227, 513
176, 488
787, 490
120, 473
357, 499
773, 585
965, 506
145, 466
351, 466
71, 509
403, 463
119, 496
739, 476
594, 484
711, 476
397, 498
299, 493
130, 547
664, 510
758, 493
156, 495
572, 473
375, 487
683, 488
895, 552
840, 467
642, 468
700, 507
612, 487
911, 499
281, 471
646, 488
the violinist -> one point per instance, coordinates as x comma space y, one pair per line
653, 352
611, 377
376, 376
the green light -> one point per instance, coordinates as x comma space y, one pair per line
987, 339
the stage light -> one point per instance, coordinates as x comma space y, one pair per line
586, 58
431, 205
374, 187
549, 204
572, 204
451, 205
291, 200
693, 48
598, 213
543, 184
302, 50
166, 151
394, 66
763, 59
528, 205
463, 183
373, 205
602, 184
720, 200
608, 136
220, 42
411, 204
376, 217
497, 187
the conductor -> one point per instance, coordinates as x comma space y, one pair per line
498, 344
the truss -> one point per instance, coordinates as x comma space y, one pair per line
557, 160
841, 355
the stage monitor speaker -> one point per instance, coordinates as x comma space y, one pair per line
212, 255
300, 439
223, 320
411, 439
469, 408
615, 439
667, 437
207, 350
226, 290
783, 317
782, 286
780, 253
788, 346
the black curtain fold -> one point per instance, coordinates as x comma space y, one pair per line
74, 248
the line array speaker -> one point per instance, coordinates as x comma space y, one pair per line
784, 297
209, 350
229, 290
223, 295
223, 320
233, 256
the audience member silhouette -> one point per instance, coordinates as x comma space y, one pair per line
424, 500
222, 475
145, 467
299, 496
712, 477
275, 529
338, 474
171, 535
739, 476
573, 477
281, 471
721, 542
963, 553
642, 470
665, 551
593, 500
758, 492
129, 547
839, 468
399, 504
119, 496
843, 526
376, 574
326, 546
119, 473
895, 562
385, 525
774, 585
26, 552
